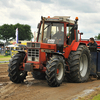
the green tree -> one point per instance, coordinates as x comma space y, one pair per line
6, 32
24, 31
97, 37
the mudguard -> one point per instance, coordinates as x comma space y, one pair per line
75, 46
58, 53
21, 51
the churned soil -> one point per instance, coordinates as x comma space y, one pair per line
33, 89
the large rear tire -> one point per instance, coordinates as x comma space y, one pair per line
79, 64
55, 71
15, 74
38, 75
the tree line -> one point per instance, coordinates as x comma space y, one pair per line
97, 37
7, 32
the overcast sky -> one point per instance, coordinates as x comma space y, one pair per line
30, 12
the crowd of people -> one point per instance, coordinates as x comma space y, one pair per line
7, 50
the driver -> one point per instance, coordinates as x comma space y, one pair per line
60, 28
59, 34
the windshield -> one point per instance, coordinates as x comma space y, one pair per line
53, 33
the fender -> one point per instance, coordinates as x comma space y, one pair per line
58, 53
21, 51
76, 44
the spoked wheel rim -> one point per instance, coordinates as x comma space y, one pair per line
60, 71
83, 65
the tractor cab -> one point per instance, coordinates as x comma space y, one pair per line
53, 33
56, 30
59, 30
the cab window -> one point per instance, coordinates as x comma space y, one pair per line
70, 34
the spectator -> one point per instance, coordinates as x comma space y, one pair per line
92, 43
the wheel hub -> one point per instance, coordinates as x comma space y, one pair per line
59, 71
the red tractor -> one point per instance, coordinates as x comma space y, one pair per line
56, 54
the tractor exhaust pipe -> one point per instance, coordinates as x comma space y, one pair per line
43, 19
76, 27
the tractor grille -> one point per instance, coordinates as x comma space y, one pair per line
33, 55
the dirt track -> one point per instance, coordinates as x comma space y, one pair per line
33, 89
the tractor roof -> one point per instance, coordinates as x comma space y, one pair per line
60, 19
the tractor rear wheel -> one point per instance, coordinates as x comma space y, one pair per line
55, 71
79, 64
38, 75
16, 75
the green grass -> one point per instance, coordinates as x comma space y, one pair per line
5, 58
97, 97
93, 96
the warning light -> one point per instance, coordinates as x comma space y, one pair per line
48, 16
76, 18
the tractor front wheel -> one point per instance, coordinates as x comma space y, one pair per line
15, 73
55, 71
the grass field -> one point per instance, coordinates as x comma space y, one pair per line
97, 97
5, 58
93, 96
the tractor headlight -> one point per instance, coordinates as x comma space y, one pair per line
36, 58
33, 45
29, 58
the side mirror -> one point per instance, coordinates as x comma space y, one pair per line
38, 25
81, 33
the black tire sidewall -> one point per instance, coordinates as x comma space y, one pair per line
20, 60
18, 72
51, 72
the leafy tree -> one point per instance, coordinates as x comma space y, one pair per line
97, 37
24, 32
6, 32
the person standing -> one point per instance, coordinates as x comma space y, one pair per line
92, 43
2, 50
